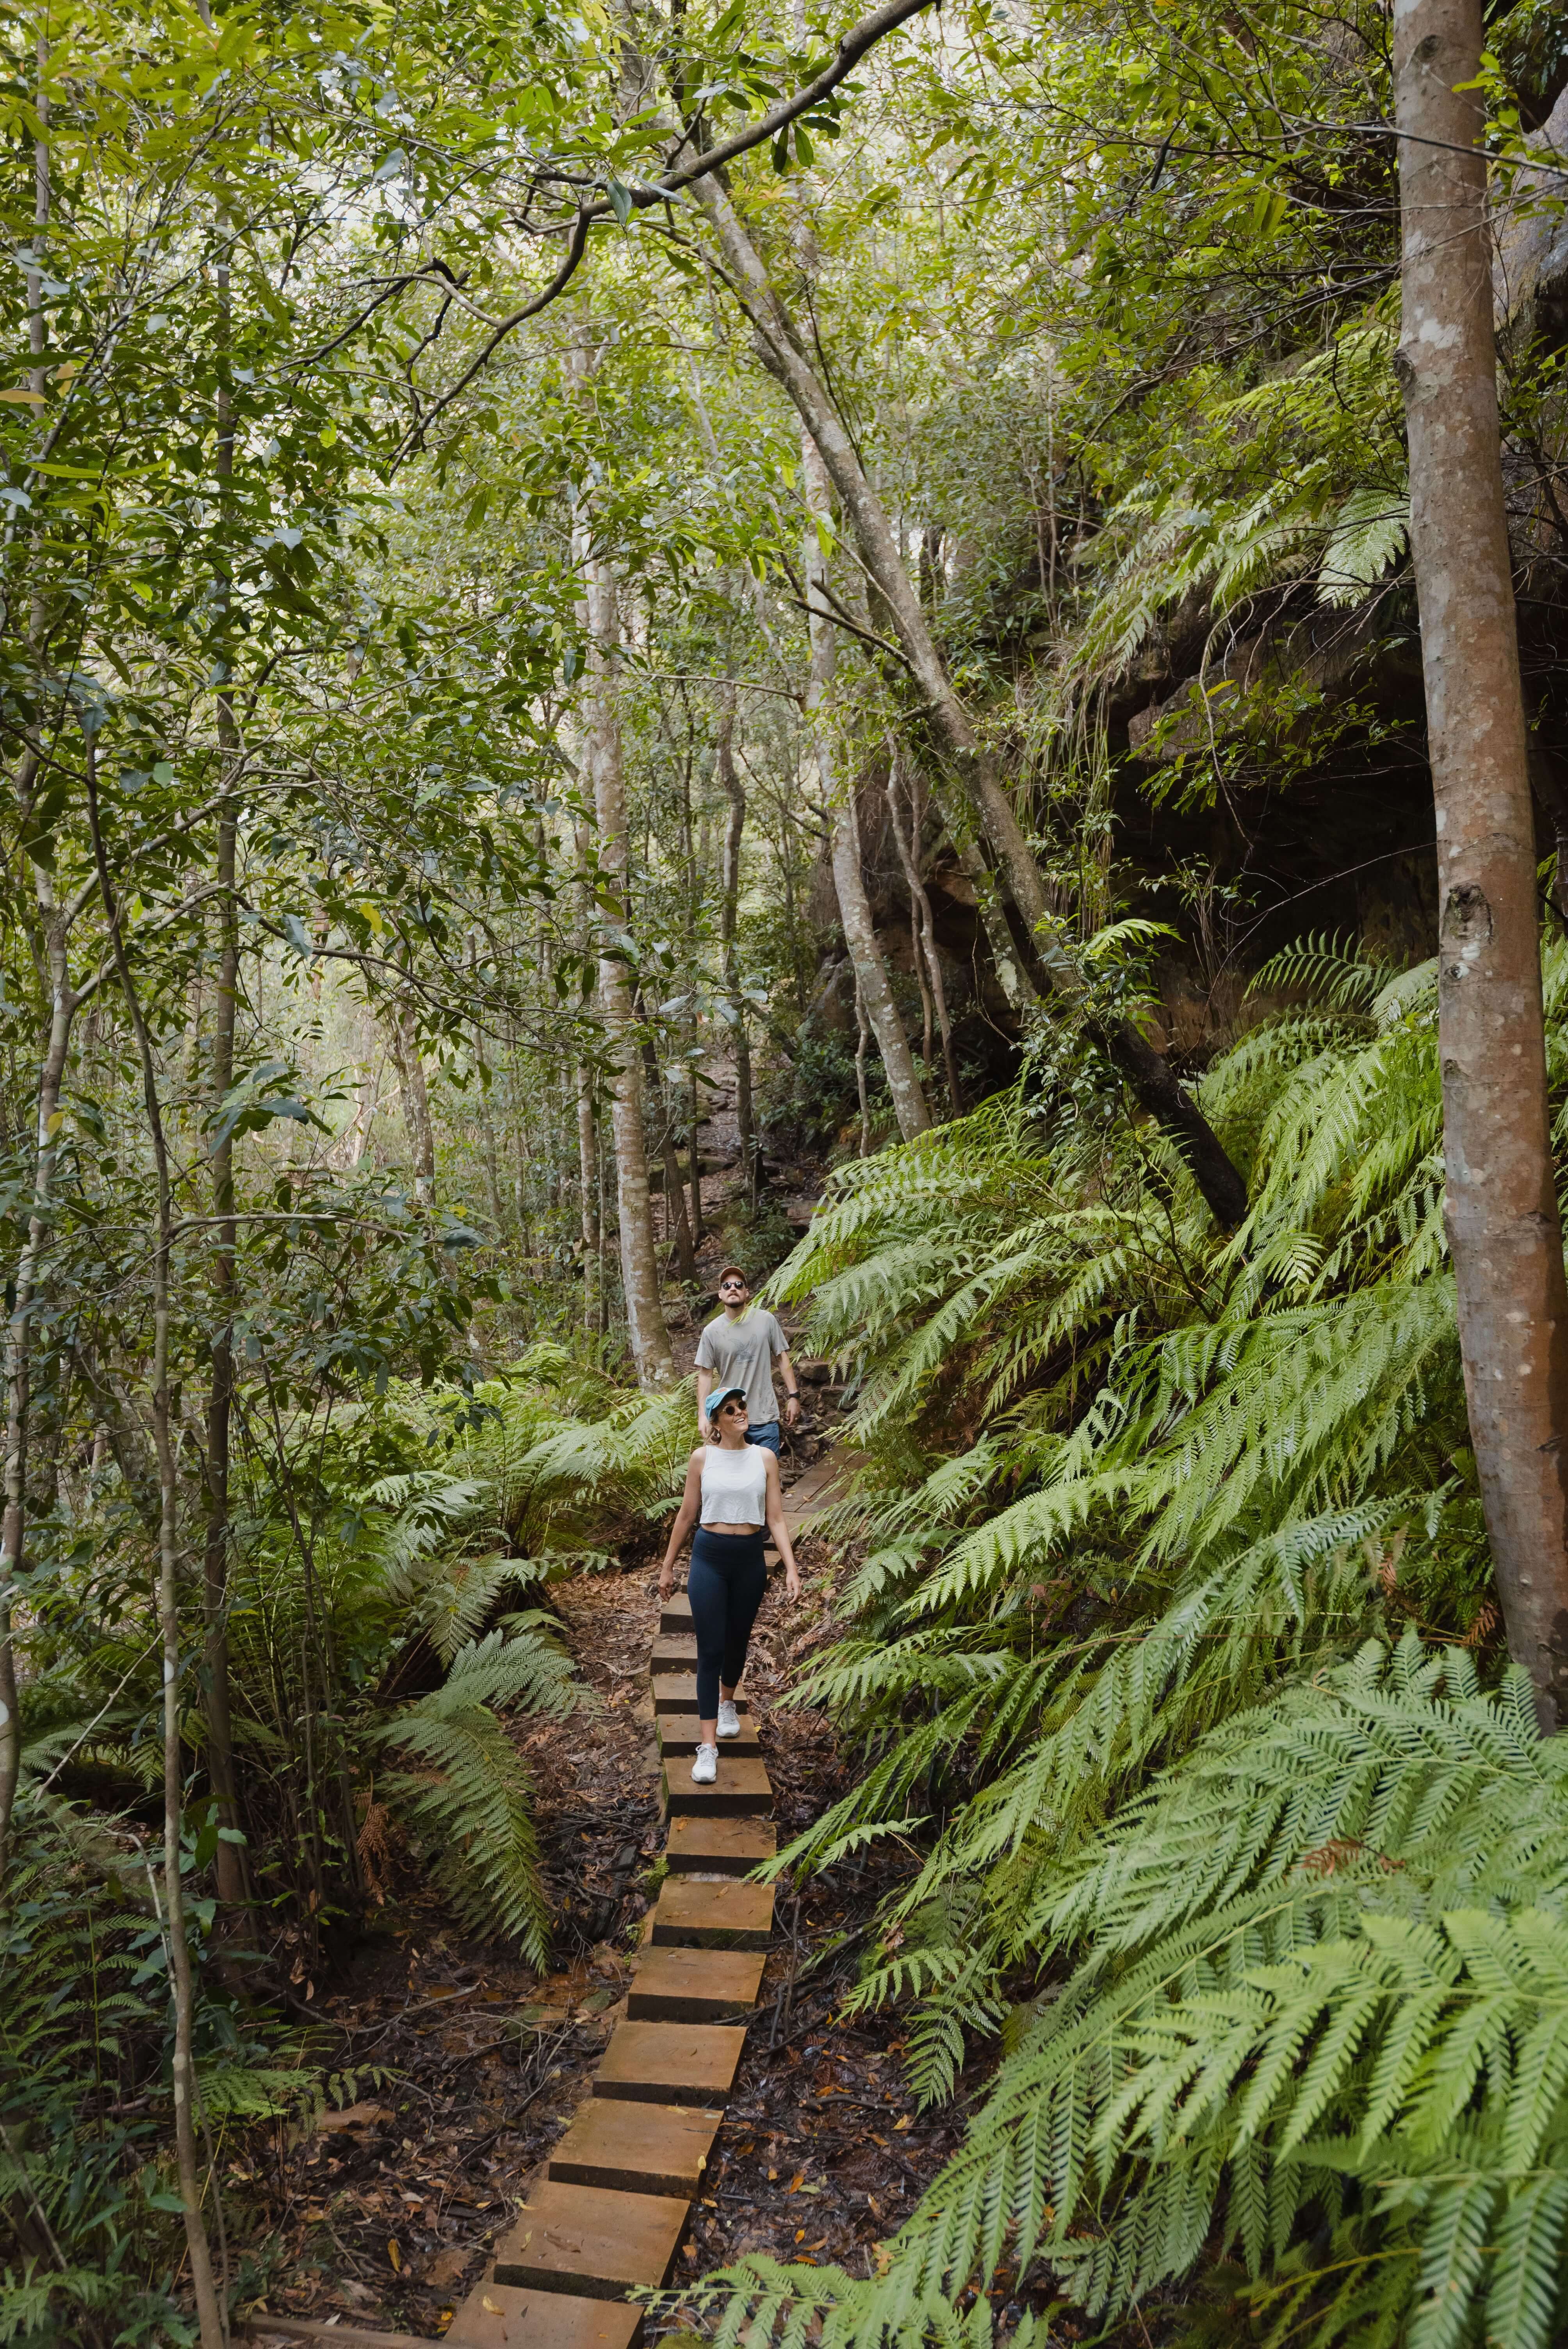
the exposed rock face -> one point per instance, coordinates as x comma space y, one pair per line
1530, 265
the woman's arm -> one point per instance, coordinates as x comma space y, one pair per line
685, 1517
777, 1526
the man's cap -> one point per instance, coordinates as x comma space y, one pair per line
739, 1270
715, 1402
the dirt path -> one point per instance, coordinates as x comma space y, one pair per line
466, 2069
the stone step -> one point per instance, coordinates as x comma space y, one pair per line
694, 1985
691, 1915
674, 1615
677, 1733
675, 1652
670, 2063
590, 2241
707, 1846
742, 1791
508, 2317
635, 2148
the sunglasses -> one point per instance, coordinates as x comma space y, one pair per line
730, 1409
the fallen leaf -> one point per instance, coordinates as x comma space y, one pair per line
795, 2183
394, 2255
902, 2124
489, 2305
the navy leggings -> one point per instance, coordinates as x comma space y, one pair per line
725, 1584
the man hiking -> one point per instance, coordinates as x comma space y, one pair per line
738, 1348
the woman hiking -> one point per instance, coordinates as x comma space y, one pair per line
733, 1487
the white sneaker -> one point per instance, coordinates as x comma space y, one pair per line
704, 1769
728, 1719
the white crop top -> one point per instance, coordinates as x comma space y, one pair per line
734, 1485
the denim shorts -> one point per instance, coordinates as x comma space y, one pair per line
765, 1431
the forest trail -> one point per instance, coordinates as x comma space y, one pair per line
616, 2197
709, 1962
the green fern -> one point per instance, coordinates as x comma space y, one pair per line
472, 1802
1321, 1990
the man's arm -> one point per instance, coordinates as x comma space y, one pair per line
704, 1389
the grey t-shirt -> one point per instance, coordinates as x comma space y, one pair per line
742, 1354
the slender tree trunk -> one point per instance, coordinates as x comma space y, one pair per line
404, 1036
233, 1889
55, 924
588, 1187
211, 2314
603, 1226
862, 1037
922, 923
728, 912
781, 350
230, 1868
693, 1158
487, 1108
694, 895
605, 768
676, 1228
874, 987
639, 1260
1501, 1203
63, 1002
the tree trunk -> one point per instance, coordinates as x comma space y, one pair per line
588, 1184
56, 923
676, 1228
229, 1868
780, 349
405, 1039
487, 1141
694, 1157
63, 1001
1502, 1204
233, 1890
728, 911
922, 923
639, 1259
874, 988
210, 2315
